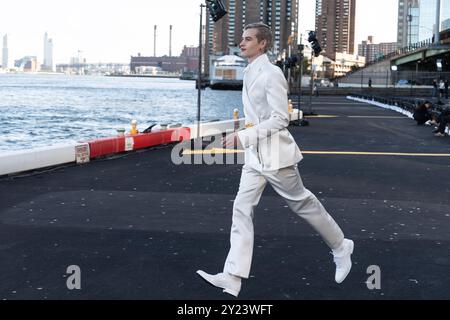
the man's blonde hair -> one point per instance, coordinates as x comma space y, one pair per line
263, 33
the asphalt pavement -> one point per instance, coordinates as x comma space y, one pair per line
138, 226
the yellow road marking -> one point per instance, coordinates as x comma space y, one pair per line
379, 117
211, 151
397, 154
369, 117
322, 116
401, 154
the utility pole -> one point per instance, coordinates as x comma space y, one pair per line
217, 11
437, 38
312, 82
316, 50
410, 23
170, 41
199, 76
300, 77
154, 40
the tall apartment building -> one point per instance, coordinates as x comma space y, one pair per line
335, 26
445, 15
372, 51
48, 54
417, 20
408, 22
5, 57
224, 36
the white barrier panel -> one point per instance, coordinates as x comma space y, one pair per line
19, 161
296, 115
214, 128
382, 105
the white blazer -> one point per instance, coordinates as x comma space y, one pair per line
268, 144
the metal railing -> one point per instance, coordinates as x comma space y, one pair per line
408, 104
391, 78
411, 48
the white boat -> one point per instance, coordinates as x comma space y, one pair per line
227, 72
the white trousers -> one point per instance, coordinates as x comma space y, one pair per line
288, 184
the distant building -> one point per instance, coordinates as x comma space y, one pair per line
417, 20
5, 57
280, 15
445, 36
190, 54
372, 51
335, 26
408, 22
224, 36
27, 64
187, 61
427, 18
48, 54
445, 33
445, 15
445, 25
323, 67
345, 63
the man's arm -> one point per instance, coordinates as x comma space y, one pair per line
276, 92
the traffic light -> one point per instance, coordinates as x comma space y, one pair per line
314, 43
300, 49
216, 9
293, 61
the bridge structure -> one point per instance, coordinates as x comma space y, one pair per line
414, 65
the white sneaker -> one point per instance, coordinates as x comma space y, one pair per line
229, 283
343, 260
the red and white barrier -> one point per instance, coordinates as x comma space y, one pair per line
107, 146
20, 161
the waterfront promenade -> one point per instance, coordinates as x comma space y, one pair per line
139, 226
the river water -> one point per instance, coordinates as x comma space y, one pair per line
43, 110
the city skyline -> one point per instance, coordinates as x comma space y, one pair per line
112, 31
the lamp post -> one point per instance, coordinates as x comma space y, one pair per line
316, 50
312, 82
300, 59
439, 69
409, 22
438, 22
394, 68
199, 75
217, 11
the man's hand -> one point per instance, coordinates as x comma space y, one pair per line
231, 141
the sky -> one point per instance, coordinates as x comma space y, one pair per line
113, 30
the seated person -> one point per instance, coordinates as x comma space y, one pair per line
422, 114
444, 121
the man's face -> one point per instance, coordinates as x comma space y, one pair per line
250, 48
